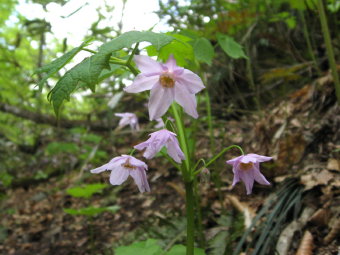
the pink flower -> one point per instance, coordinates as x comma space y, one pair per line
128, 118
123, 166
247, 169
167, 83
159, 139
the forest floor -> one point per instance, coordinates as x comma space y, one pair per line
301, 133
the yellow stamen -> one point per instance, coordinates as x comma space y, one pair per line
167, 80
128, 165
246, 166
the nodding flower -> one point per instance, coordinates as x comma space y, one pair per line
124, 166
247, 169
156, 142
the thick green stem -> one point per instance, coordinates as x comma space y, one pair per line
330, 53
190, 217
199, 226
183, 142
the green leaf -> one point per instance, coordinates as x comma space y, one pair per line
181, 249
86, 191
230, 46
85, 74
91, 70
91, 211
180, 48
59, 63
203, 50
61, 147
127, 39
148, 247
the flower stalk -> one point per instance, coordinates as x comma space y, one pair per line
189, 201
329, 48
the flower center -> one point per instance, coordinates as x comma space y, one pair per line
128, 165
167, 80
246, 166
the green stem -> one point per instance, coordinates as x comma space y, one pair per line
330, 53
201, 238
190, 217
183, 142
121, 62
132, 151
133, 53
173, 162
222, 152
309, 44
250, 75
217, 156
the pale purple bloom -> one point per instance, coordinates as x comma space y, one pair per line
247, 169
167, 82
123, 166
128, 118
159, 139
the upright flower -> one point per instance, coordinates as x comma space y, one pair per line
123, 166
247, 169
159, 139
167, 83
128, 118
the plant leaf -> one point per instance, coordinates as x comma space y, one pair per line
230, 46
91, 211
181, 249
53, 67
203, 50
127, 39
148, 247
86, 191
180, 48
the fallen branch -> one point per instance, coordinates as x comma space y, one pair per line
51, 120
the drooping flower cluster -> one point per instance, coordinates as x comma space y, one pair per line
167, 82
247, 169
